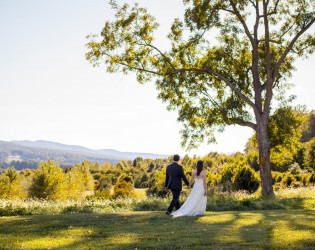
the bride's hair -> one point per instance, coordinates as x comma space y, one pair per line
199, 167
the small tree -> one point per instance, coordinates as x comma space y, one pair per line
83, 170
48, 182
74, 184
10, 184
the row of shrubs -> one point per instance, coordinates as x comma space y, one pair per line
51, 182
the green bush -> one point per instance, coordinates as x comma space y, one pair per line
276, 177
310, 155
213, 178
227, 173
126, 177
123, 189
311, 178
252, 159
288, 180
102, 193
245, 178
305, 179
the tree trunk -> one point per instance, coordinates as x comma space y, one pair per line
264, 158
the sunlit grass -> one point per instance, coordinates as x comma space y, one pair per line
130, 230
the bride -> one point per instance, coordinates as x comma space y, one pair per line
196, 202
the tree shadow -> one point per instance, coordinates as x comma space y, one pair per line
252, 229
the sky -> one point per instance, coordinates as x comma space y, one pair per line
48, 91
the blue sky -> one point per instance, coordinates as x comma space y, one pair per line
48, 91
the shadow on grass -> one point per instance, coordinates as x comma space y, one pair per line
258, 229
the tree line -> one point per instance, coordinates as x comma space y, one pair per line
291, 131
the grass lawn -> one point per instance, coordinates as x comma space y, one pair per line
138, 230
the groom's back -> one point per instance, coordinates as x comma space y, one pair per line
175, 173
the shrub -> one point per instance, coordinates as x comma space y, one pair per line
252, 159
310, 155
227, 173
276, 177
305, 179
288, 180
123, 189
311, 178
127, 178
105, 182
142, 181
245, 178
103, 193
213, 179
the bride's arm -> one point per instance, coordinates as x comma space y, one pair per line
191, 180
204, 183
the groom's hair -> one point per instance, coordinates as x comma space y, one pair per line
176, 158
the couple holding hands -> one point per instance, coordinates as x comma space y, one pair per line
197, 200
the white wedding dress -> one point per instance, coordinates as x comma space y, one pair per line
196, 202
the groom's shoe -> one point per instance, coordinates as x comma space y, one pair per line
168, 212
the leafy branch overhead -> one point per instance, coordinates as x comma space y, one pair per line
226, 59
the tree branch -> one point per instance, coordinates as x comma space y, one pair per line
165, 57
274, 9
236, 12
290, 46
227, 82
135, 68
241, 123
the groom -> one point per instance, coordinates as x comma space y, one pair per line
173, 181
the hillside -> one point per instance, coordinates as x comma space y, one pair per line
13, 152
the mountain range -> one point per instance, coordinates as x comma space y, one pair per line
43, 150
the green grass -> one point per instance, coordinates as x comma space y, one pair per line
138, 230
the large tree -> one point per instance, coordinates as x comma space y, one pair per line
227, 60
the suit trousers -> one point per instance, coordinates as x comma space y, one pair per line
174, 202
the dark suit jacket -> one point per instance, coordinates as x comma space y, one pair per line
174, 176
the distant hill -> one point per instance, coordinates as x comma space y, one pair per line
15, 151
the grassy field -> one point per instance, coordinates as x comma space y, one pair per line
138, 230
